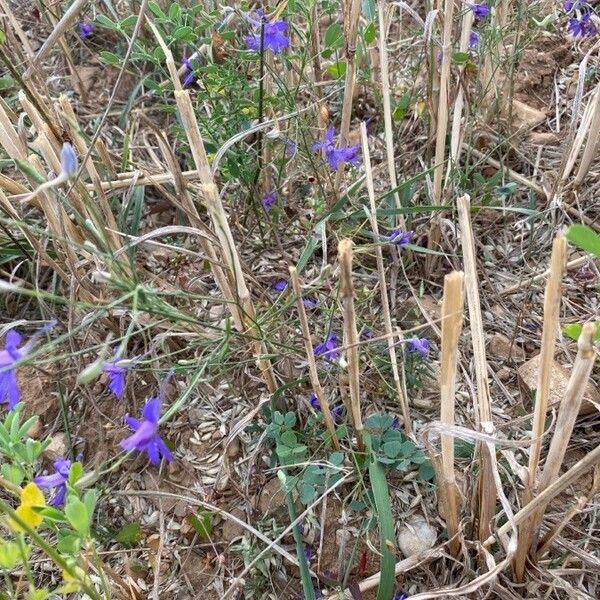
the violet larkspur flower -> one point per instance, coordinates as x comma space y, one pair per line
309, 302
68, 160
56, 481
146, 437
582, 27
473, 39
189, 79
85, 30
280, 286
398, 237
308, 554
329, 349
273, 36
419, 345
9, 388
569, 5
335, 156
480, 11
269, 201
116, 369
337, 412
401, 596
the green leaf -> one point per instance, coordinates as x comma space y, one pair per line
89, 499
573, 330
156, 10
387, 532
78, 516
426, 471
392, 449
370, 33
338, 69
51, 514
289, 419
10, 555
369, 9
106, 22
307, 493
68, 543
174, 12
585, 238
129, 22
2, 37
334, 37
129, 535
289, 438
336, 458
184, 33
460, 58
202, 524
110, 58
13, 473
75, 473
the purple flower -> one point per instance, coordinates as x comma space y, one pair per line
336, 156
116, 369
401, 596
269, 201
309, 302
329, 349
395, 423
290, 148
280, 285
85, 30
274, 37
68, 160
367, 334
56, 481
189, 79
337, 412
569, 5
398, 237
146, 438
308, 554
480, 11
419, 345
582, 27
473, 39
9, 388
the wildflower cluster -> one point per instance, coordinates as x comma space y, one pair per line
336, 156
580, 22
268, 36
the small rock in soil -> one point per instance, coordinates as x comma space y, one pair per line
528, 373
416, 536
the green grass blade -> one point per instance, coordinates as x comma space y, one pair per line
387, 532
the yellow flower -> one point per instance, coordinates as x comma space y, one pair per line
30, 496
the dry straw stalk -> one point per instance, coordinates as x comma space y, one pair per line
551, 317
567, 414
242, 308
310, 358
387, 319
452, 323
351, 336
387, 108
487, 491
